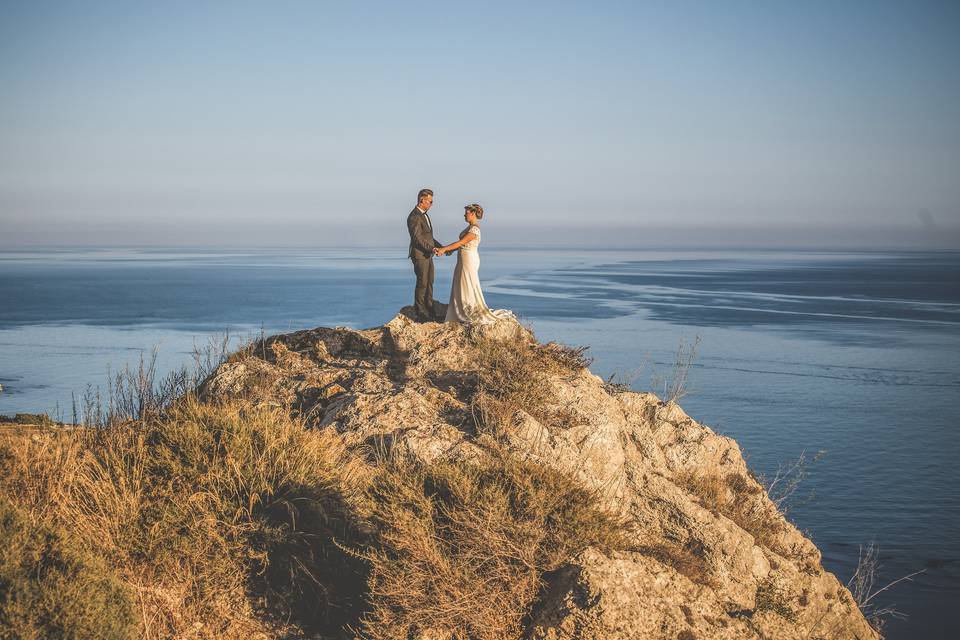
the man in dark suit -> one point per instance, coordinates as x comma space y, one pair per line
422, 245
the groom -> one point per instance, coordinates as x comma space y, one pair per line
422, 245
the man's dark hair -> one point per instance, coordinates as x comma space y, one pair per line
423, 193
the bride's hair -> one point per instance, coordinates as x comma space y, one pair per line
477, 210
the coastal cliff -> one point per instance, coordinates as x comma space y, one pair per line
708, 556
438, 482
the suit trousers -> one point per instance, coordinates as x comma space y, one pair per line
423, 294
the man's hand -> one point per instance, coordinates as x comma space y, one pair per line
437, 252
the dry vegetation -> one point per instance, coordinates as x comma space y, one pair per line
463, 547
513, 377
171, 517
687, 558
863, 588
207, 513
772, 597
54, 588
734, 497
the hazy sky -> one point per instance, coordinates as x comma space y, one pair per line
776, 123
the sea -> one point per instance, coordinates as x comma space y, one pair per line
849, 359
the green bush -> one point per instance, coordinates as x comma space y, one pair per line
52, 588
38, 419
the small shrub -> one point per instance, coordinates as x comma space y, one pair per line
51, 587
688, 559
740, 484
565, 356
734, 496
617, 384
462, 547
135, 393
513, 376
678, 385
771, 597
31, 419
782, 487
709, 488
862, 587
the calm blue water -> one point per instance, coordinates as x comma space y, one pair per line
855, 354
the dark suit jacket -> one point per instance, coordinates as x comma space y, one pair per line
422, 241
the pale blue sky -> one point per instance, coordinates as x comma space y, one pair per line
774, 123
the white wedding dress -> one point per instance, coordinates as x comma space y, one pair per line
466, 298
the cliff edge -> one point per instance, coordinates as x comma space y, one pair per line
707, 554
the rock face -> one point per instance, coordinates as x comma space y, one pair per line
713, 558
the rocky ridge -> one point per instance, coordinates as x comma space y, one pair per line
711, 555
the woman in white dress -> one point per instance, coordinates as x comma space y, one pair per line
466, 298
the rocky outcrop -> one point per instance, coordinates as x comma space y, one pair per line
711, 555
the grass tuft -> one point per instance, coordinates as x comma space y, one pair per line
771, 597
688, 559
461, 548
734, 497
513, 377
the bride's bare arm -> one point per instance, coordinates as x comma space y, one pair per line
467, 237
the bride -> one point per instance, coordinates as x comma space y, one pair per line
466, 299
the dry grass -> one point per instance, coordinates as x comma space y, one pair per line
771, 597
735, 497
688, 559
232, 520
461, 548
209, 513
782, 487
678, 385
862, 586
212, 515
565, 356
513, 376
52, 587
710, 489
135, 392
